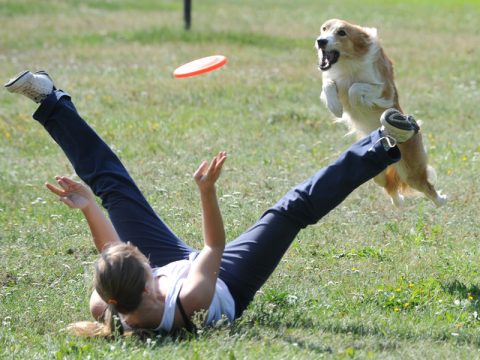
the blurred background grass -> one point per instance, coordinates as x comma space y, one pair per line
368, 281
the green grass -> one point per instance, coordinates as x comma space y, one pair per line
369, 281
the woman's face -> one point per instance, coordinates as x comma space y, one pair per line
150, 312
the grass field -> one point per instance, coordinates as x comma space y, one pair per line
369, 281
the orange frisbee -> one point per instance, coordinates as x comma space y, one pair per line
200, 66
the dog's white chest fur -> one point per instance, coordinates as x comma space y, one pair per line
354, 89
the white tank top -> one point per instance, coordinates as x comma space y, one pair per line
176, 272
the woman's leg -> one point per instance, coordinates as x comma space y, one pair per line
250, 259
96, 164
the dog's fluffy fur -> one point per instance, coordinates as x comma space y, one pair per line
358, 86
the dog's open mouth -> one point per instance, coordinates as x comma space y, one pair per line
328, 59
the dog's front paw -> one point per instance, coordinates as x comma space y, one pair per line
330, 97
360, 94
336, 108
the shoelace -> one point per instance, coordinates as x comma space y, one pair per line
390, 142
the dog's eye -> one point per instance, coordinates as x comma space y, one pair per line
342, 33
324, 28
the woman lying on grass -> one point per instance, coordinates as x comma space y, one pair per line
146, 276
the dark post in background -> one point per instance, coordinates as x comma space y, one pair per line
187, 13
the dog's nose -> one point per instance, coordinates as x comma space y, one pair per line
321, 43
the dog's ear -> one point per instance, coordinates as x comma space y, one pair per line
372, 32
362, 39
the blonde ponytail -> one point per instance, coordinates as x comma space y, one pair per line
121, 275
111, 320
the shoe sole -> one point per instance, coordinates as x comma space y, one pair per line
397, 120
18, 81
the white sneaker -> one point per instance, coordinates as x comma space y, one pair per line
397, 127
36, 86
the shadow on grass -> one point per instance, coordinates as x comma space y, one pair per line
157, 35
275, 312
308, 345
462, 290
383, 345
8, 279
22, 8
386, 339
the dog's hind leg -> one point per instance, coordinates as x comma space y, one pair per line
429, 190
414, 171
419, 180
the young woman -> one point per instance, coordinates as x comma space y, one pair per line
149, 277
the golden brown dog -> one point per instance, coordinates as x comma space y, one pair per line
358, 86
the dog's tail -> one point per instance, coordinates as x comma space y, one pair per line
395, 184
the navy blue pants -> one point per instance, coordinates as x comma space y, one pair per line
250, 259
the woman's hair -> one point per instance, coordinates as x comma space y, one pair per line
121, 274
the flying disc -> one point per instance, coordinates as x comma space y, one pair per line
200, 66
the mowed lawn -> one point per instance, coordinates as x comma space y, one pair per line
368, 281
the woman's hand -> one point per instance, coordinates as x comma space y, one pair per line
207, 174
73, 193
79, 196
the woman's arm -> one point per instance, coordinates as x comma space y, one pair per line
78, 196
97, 305
199, 287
